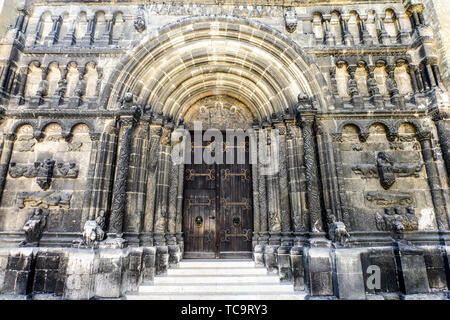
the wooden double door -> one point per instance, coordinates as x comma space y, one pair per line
217, 211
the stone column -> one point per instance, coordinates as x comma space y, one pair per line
162, 189
433, 180
93, 163
396, 98
103, 172
152, 164
53, 36
412, 75
115, 228
5, 158
375, 97
294, 164
88, 38
105, 38
253, 152
179, 218
174, 249
264, 228
356, 99
273, 193
307, 120
365, 35
440, 119
283, 189
23, 74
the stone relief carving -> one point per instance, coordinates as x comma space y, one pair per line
397, 219
290, 19
386, 170
337, 231
390, 199
34, 227
139, 23
44, 171
44, 199
74, 146
94, 231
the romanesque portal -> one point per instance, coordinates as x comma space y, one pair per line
350, 106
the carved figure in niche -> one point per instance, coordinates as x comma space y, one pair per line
397, 219
337, 231
34, 227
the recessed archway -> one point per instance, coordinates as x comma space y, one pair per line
204, 56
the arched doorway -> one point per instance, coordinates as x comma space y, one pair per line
218, 204
176, 70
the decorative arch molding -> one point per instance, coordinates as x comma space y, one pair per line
200, 56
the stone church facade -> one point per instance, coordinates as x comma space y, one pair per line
92, 203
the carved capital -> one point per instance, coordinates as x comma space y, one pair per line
424, 135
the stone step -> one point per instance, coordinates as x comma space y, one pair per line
208, 263
254, 288
205, 279
216, 271
220, 296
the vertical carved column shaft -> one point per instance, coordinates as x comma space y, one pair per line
412, 75
294, 177
433, 179
312, 178
440, 119
5, 159
262, 196
179, 218
90, 178
103, 172
155, 135
173, 193
162, 188
120, 185
273, 195
283, 182
253, 145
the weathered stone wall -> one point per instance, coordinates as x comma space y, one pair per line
7, 15
91, 93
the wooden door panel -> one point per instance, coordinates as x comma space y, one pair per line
200, 237
220, 195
